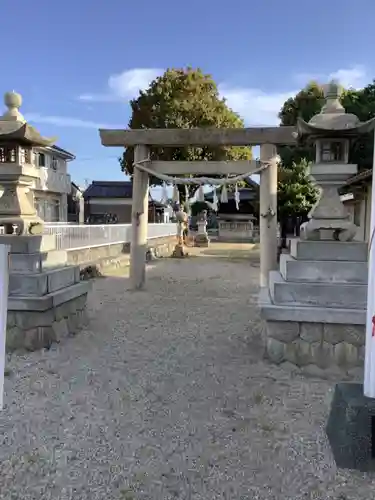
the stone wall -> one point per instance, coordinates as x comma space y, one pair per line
99, 259
238, 231
317, 348
32, 330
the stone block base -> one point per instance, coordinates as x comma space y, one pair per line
202, 240
316, 348
32, 330
350, 428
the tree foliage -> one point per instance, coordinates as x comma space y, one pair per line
198, 207
183, 98
296, 194
307, 103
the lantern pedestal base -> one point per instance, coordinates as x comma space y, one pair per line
179, 252
351, 428
340, 230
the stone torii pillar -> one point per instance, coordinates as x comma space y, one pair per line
268, 213
138, 245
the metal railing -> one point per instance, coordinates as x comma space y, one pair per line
73, 236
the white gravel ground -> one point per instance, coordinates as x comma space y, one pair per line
166, 396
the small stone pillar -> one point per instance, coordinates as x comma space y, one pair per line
201, 239
81, 207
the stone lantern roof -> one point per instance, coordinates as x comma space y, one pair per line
14, 128
333, 119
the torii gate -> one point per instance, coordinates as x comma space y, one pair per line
141, 139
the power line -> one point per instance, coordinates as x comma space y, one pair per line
95, 158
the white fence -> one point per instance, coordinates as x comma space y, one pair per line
73, 236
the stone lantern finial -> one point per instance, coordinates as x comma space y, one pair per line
332, 94
332, 90
13, 102
333, 116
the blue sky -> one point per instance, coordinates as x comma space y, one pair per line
77, 63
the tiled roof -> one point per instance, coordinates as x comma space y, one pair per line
361, 176
62, 152
114, 189
109, 189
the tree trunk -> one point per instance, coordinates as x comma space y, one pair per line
283, 232
182, 192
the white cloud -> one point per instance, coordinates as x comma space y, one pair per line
352, 77
65, 121
355, 77
125, 85
255, 106
259, 108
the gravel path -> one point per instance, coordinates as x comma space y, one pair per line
166, 396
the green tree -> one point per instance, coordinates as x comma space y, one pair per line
361, 103
183, 98
296, 193
197, 207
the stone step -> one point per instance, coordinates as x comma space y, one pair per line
29, 244
50, 300
272, 312
338, 295
322, 271
329, 250
37, 285
37, 262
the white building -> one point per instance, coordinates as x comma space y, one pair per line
357, 194
51, 189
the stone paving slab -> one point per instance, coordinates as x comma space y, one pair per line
166, 396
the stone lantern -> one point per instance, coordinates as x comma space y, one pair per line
316, 304
331, 131
17, 169
46, 298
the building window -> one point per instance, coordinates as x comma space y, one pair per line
41, 160
54, 163
39, 207
55, 211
